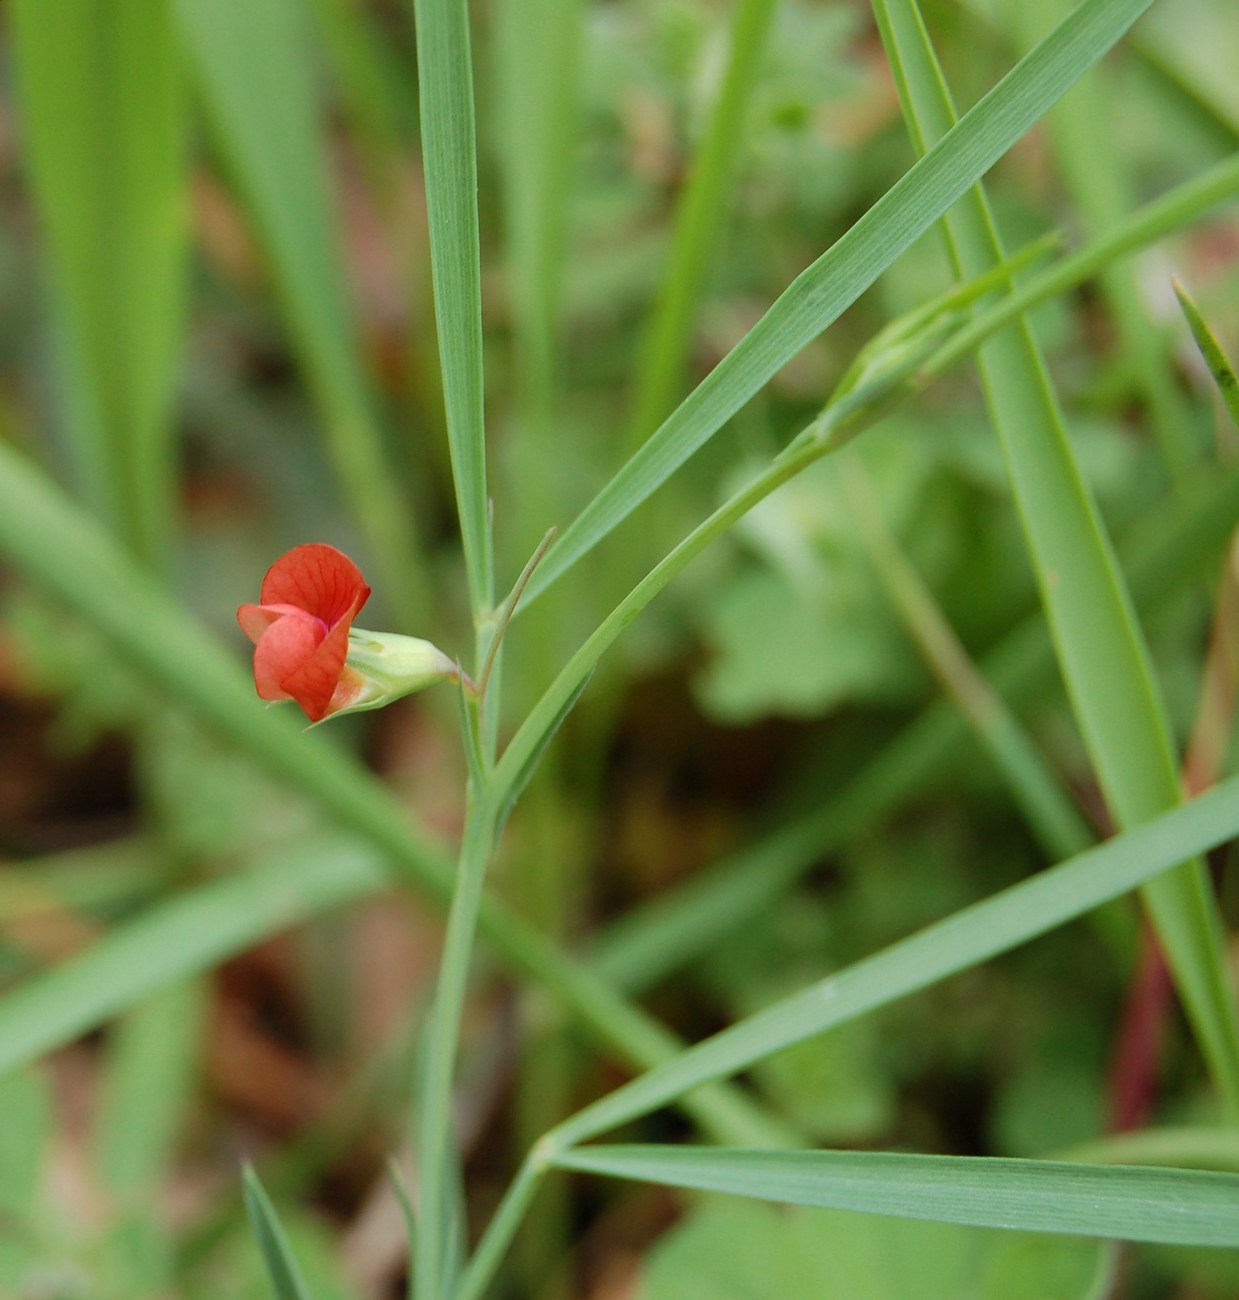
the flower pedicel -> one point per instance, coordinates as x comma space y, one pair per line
306, 648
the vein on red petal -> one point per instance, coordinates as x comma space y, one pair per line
317, 578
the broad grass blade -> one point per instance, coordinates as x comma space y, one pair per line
1186, 1206
182, 936
103, 105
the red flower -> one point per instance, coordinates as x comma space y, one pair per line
300, 630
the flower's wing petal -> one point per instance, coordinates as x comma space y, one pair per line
317, 578
315, 679
255, 619
285, 647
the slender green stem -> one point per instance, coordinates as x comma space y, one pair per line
436, 1151
66, 554
502, 1228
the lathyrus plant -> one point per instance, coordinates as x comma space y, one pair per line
253, 75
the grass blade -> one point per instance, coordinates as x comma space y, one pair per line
820, 294
286, 1279
252, 63
968, 937
449, 154
182, 936
1101, 651
103, 103
1189, 1207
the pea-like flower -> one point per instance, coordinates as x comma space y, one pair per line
305, 648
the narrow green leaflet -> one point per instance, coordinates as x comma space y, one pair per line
286, 1279
103, 107
1188, 1207
449, 157
958, 942
252, 60
1215, 356
820, 294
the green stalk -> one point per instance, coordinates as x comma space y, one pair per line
502, 1228
449, 159
435, 1149
1104, 659
536, 51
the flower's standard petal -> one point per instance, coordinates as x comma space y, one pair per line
319, 579
255, 619
313, 682
283, 649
